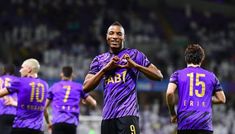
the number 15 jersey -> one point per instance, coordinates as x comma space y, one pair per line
31, 93
196, 86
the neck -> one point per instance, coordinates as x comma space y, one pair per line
115, 50
66, 78
32, 75
193, 65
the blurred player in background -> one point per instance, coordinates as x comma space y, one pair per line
31, 92
65, 96
197, 90
119, 68
9, 102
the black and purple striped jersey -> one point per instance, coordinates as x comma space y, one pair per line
65, 96
120, 95
7, 79
31, 93
196, 87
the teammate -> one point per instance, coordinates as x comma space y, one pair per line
65, 96
119, 68
31, 92
197, 90
9, 102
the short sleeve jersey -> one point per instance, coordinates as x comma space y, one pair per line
120, 95
9, 110
31, 93
196, 87
65, 96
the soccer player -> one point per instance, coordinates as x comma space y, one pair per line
7, 103
65, 96
197, 90
119, 68
31, 92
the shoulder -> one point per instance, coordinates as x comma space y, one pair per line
75, 83
132, 50
102, 56
43, 81
207, 72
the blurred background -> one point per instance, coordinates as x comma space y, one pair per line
72, 32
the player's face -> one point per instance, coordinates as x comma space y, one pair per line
25, 70
115, 37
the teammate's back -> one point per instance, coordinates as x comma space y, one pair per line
66, 96
31, 94
201, 85
197, 90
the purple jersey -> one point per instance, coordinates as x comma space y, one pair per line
65, 97
196, 87
120, 95
7, 79
31, 93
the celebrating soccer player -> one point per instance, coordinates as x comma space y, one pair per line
9, 102
120, 68
197, 90
65, 96
31, 92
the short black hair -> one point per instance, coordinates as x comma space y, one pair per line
194, 54
116, 23
9, 69
67, 71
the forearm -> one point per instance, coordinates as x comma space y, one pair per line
3, 92
91, 101
14, 103
46, 115
216, 100
170, 98
92, 83
151, 72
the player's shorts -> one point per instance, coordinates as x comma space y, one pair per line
194, 132
122, 125
6, 122
64, 128
25, 131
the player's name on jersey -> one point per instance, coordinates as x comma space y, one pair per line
194, 103
32, 107
69, 108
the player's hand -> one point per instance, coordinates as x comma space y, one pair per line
9, 101
130, 63
112, 64
84, 101
49, 126
1, 83
173, 119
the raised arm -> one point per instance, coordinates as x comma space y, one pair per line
152, 72
91, 80
3, 91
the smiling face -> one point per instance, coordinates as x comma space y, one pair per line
115, 38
